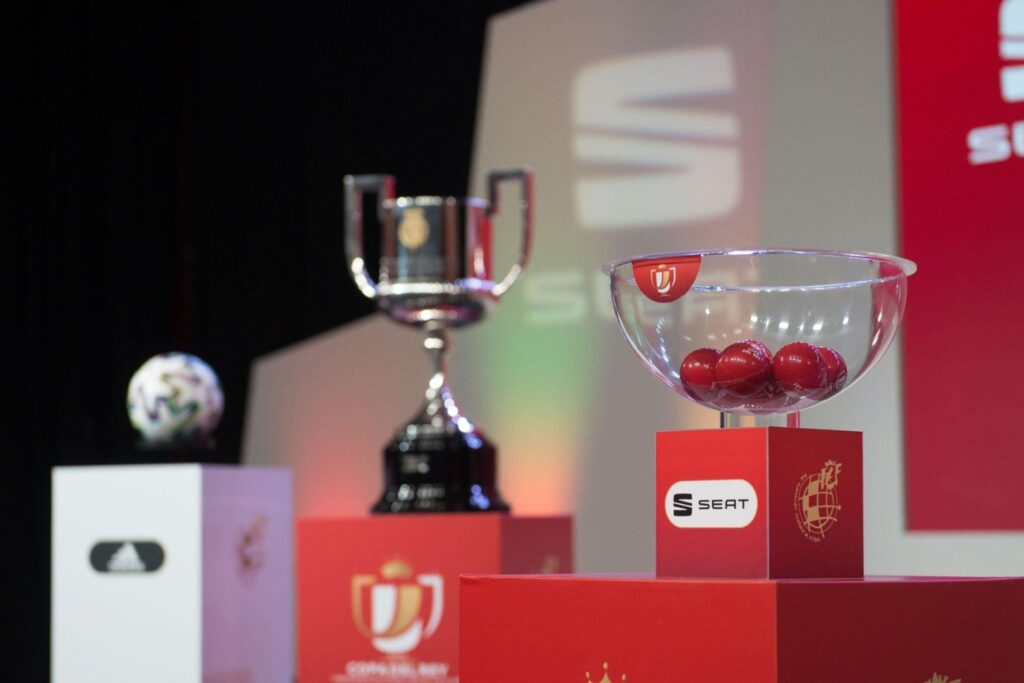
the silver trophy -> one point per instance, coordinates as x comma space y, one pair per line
435, 273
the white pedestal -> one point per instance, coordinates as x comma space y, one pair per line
172, 574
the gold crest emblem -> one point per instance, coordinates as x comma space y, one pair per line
414, 229
550, 564
816, 502
251, 550
939, 678
605, 678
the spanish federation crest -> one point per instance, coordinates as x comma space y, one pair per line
251, 548
396, 610
816, 502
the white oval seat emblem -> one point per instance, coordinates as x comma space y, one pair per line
711, 504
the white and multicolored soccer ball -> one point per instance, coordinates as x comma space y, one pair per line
174, 398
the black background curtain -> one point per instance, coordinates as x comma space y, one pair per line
173, 181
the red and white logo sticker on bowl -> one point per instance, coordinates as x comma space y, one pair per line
665, 280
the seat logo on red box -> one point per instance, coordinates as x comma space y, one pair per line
396, 611
711, 504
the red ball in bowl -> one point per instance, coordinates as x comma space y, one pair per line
800, 370
697, 373
744, 369
835, 368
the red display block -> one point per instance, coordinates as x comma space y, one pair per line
768, 502
378, 597
643, 630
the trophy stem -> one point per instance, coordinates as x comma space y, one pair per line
440, 410
440, 462
439, 401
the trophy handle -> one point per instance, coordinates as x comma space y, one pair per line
525, 178
355, 185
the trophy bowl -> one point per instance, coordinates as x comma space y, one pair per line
759, 332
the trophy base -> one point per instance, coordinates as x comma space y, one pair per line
445, 473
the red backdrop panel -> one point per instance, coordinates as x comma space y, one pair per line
961, 166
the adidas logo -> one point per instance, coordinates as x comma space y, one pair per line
126, 559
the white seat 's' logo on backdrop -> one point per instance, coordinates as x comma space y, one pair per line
657, 153
1001, 141
1011, 48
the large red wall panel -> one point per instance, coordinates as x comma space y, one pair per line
960, 96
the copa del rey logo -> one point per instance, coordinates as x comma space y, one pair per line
396, 610
665, 280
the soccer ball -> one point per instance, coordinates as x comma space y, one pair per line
174, 398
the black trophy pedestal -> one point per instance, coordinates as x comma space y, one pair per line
440, 473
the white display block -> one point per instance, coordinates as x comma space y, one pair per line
172, 574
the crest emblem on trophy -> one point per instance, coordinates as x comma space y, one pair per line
436, 274
397, 611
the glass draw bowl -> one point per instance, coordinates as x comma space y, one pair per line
759, 332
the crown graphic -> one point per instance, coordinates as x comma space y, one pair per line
605, 678
395, 569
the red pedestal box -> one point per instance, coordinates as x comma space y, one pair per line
378, 597
760, 503
566, 629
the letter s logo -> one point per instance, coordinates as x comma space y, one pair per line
683, 504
